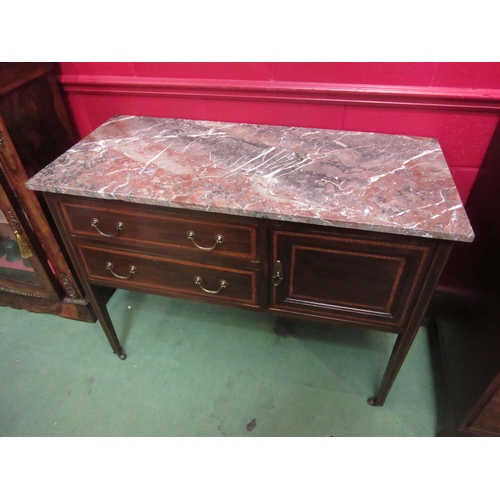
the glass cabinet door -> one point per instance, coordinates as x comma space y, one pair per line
13, 266
22, 271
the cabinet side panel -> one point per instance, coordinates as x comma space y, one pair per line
30, 115
488, 419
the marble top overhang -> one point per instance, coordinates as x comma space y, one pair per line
375, 182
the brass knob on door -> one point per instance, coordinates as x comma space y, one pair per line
277, 276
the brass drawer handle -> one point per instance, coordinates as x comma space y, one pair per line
132, 270
199, 280
219, 239
120, 226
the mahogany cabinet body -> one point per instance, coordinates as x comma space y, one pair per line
376, 280
34, 130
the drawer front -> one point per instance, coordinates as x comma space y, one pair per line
147, 273
160, 228
349, 278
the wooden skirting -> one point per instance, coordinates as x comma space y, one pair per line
301, 92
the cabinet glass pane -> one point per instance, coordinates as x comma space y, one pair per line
12, 266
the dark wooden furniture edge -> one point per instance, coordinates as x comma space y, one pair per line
36, 216
437, 258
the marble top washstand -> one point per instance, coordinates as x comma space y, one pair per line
358, 180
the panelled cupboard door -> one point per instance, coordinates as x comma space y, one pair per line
351, 277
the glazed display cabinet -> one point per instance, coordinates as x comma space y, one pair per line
35, 273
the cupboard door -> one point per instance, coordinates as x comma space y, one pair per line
352, 277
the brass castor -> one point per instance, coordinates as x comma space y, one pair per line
373, 402
121, 354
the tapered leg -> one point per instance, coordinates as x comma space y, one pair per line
104, 319
92, 292
405, 340
398, 355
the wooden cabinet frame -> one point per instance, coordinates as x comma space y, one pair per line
415, 264
34, 129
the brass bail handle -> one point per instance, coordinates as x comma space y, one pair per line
219, 239
120, 226
132, 271
222, 284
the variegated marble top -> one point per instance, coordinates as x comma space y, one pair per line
376, 182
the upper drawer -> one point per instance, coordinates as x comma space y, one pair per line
160, 227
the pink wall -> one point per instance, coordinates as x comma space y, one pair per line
458, 103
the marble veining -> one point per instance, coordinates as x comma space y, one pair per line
376, 182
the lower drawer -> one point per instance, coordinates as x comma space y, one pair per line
153, 274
